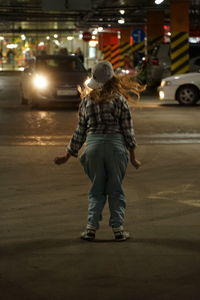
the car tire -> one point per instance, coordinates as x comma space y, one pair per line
187, 95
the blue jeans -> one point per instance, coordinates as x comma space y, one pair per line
105, 161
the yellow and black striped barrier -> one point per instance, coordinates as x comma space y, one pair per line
116, 53
152, 41
179, 53
116, 58
107, 52
125, 49
138, 47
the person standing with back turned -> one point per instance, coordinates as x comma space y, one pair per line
105, 123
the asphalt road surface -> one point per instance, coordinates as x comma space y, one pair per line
44, 208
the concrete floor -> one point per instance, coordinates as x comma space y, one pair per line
44, 208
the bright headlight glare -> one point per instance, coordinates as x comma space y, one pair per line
40, 82
161, 95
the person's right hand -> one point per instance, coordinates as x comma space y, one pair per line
136, 163
59, 160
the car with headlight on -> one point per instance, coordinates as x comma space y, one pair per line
52, 78
184, 88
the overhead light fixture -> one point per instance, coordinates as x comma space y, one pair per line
48, 37
12, 46
122, 11
100, 29
158, 1
23, 37
121, 21
70, 38
55, 36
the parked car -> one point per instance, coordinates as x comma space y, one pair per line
52, 78
159, 62
184, 88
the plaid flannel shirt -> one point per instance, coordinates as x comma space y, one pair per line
106, 117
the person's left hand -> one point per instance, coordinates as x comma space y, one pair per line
59, 160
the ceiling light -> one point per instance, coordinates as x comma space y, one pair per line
158, 1
55, 36
48, 37
1, 38
23, 37
122, 12
70, 38
11, 46
121, 21
100, 29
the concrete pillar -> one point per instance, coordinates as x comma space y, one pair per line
107, 40
179, 46
155, 29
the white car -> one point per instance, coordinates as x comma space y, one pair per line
184, 88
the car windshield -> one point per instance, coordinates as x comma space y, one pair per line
59, 64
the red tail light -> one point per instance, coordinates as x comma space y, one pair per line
155, 61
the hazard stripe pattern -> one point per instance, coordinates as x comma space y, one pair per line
116, 53
107, 52
138, 47
179, 53
152, 41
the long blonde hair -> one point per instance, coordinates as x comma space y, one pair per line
124, 85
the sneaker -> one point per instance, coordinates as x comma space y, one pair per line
88, 234
120, 234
